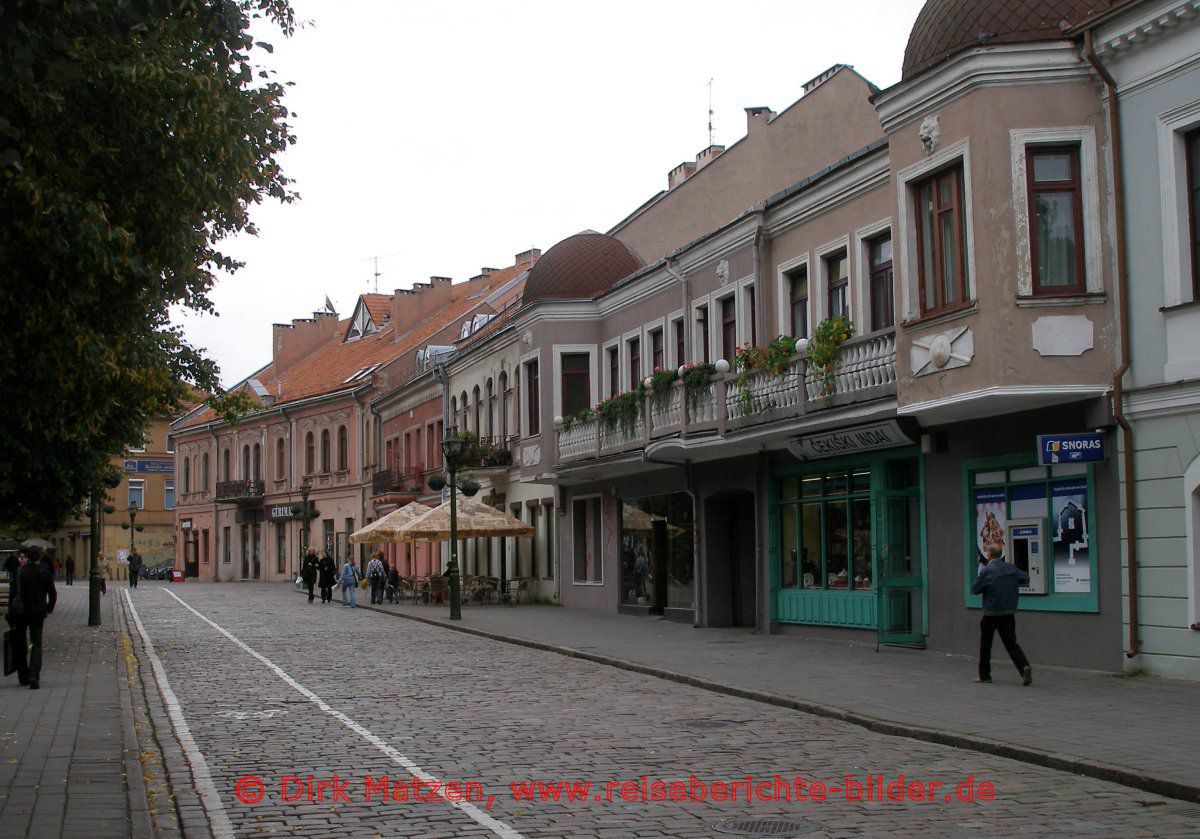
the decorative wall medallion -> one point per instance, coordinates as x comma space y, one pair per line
531, 455
723, 272
1063, 335
930, 133
526, 337
942, 351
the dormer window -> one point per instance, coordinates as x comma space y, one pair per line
361, 325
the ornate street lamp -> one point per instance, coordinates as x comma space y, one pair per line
305, 489
133, 511
452, 447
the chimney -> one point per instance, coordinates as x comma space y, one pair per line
292, 342
757, 117
412, 306
527, 257
707, 156
680, 174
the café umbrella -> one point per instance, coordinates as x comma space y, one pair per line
386, 529
475, 520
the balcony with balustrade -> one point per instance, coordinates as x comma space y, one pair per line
398, 485
240, 492
734, 405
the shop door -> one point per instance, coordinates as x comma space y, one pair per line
901, 557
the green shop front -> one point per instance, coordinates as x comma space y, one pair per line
847, 534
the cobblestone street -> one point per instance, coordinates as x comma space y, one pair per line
260, 683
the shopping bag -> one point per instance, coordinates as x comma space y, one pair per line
9, 665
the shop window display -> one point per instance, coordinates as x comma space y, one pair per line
657, 536
825, 531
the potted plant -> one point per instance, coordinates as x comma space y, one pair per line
623, 408
696, 380
468, 487
825, 351
661, 382
437, 483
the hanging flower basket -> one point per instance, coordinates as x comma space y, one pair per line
437, 483
468, 487
825, 352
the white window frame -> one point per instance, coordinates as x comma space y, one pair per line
669, 336
559, 351
168, 487
600, 523
860, 276
170, 444
698, 336
1084, 137
606, 373
1172, 177
648, 348
904, 235
716, 302
523, 381
783, 292
141, 448
140, 485
821, 304
632, 335
743, 312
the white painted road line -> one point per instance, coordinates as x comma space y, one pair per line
497, 827
218, 820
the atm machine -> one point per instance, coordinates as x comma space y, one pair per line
1027, 551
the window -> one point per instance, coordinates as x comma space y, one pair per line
325, 450
310, 454
798, 284
281, 548
169, 495
941, 242
586, 536
614, 371
225, 540
879, 261
245, 463
1055, 220
1192, 150
170, 444
657, 360
187, 475
677, 327
576, 383
837, 276
702, 332
825, 531
140, 446
533, 405
635, 363
343, 451
257, 472
533, 543
753, 337
504, 403
549, 520
327, 536
225, 468
491, 409
478, 405
204, 472
465, 407
728, 328
137, 493
280, 459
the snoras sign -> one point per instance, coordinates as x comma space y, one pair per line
1070, 448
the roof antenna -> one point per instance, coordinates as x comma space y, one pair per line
376, 273
710, 113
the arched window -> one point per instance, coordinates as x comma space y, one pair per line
461, 422
245, 463
187, 475
204, 472
257, 475
310, 454
491, 409
226, 471
325, 450
504, 405
280, 459
478, 429
453, 409
343, 459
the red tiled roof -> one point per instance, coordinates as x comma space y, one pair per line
581, 266
326, 369
946, 27
379, 307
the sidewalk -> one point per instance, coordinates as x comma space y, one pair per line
1139, 731
63, 747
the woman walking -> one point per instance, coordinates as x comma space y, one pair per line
327, 573
349, 581
308, 573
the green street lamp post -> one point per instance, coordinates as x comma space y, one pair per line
452, 448
305, 489
94, 572
133, 511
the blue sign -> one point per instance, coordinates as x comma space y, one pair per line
156, 467
1070, 448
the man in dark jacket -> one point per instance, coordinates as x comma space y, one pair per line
34, 598
1000, 582
308, 573
135, 568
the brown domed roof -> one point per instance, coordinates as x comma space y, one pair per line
580, 266
946, 27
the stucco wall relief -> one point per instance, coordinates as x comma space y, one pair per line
1063, 335
930, 133
723, 272
531, 455
942, 351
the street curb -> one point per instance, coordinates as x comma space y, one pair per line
1025, 754
140, 822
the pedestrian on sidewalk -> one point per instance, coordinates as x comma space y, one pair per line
377, 575
33, 598
308, 573
70, 570
393, 585
999, 582
327, 576
135, 568
349, 581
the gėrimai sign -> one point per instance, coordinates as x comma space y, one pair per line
864, 438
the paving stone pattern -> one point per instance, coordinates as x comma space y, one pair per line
472, 709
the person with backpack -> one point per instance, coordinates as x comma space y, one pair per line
349, 580
377, 575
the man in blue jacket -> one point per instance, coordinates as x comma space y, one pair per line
999, 582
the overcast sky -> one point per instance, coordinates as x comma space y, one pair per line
444, 137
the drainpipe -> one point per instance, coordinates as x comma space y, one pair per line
1114, 130
760, 285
